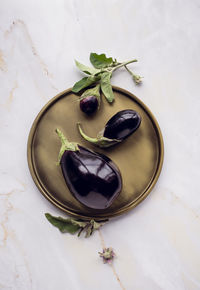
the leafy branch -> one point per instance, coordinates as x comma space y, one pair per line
73, 226
101, 72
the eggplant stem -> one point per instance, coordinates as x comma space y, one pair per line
100, 141
65, 145
62, 137
87, 138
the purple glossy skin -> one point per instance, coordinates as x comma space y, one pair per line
122, 125
89, 105
92, 178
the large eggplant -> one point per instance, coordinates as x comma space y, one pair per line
118, 128
92, 178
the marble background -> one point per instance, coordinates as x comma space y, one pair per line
157, 244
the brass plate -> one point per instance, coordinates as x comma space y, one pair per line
139, 157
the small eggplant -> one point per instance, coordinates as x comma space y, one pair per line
118, 128
89, 105
90, 100
92, 178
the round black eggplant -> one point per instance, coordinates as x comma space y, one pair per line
117, 129
89, 105
90, 100
92, 178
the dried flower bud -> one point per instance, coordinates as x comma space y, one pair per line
137, 79
107, 255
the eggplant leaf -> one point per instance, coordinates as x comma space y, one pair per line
86, 69
106, 86
64, 225
84, 83
100, 60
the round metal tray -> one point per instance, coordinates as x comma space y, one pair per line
139, 157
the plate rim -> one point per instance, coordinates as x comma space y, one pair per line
102, 215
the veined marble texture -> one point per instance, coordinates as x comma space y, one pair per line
157, 244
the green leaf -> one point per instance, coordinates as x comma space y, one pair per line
64, 225
84, 83
106, 86
86, 69
80, 85
100, 60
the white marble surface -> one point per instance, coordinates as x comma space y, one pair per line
157, 244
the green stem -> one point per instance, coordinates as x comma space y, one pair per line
100, 141
124, 64
129, 70
62, 137
87, 138
97, 88
137, 79
65, 145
